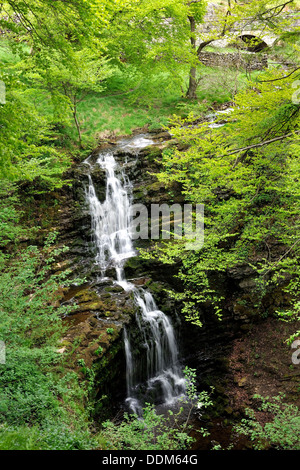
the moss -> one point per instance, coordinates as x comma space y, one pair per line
86, 295
154, 153
113, 289
133, 264
139, 194
155, 287
157, 186
94, 306
106, 296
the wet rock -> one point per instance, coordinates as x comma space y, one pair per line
247, 283
242, 382
240, 271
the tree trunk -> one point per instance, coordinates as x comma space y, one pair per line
77, 127
193, 85
192, 89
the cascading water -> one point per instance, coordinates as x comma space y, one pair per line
111, 234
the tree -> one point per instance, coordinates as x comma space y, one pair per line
195, 17
26, 150
55, 49
157, 36
68, 81
230, 22
55, 24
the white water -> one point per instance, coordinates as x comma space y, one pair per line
110, 220
212, 118
111, 234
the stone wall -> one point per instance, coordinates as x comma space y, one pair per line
235, 60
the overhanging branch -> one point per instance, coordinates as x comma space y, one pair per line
260, 144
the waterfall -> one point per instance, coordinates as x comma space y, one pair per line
162, 374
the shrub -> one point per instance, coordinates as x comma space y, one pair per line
282, 431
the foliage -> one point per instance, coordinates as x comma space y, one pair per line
155, 37
274, 17
53, 436
58, 25
35, 394
68, 80
10, 227
246, 175
280, 432
292, 313
165, 35
56, 59
26, 151
55, 43
29, 298
153, 432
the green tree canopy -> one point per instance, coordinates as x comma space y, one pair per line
246, 173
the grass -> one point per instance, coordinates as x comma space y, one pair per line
117, 114
104, 115
131, 101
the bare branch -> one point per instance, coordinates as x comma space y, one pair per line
261, 144
280, 78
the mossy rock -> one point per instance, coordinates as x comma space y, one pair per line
91, 306
153, 154
105, 295
155, 187
139, 194
155, 287
114, 289
86, 295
